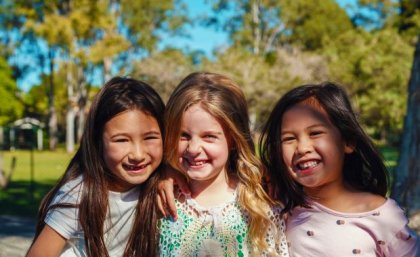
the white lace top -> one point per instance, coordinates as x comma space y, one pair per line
217, 231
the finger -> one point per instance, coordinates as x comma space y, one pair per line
169, 200
161, 206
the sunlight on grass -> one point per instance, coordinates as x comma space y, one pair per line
47, 165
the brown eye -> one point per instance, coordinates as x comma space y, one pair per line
287, 139
316, 133
151, 138
184, 136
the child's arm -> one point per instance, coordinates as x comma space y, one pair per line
165, 197
48, 244
406, 244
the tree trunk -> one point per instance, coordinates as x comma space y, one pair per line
70, 139
406, 187
52, 115
256, 25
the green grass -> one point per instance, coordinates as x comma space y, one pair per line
24, 194
22, 197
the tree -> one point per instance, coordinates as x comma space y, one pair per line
263, 26
263, 80
406, 187
311, 24
11, 107
83, 35
163, 70
374, 66
254, 25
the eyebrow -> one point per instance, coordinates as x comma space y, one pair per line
213, 132
206, 132
148, 133
310, 127
152, 132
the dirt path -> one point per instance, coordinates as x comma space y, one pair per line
15, 235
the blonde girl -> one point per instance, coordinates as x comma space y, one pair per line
208, 140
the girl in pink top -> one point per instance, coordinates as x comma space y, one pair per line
331, 179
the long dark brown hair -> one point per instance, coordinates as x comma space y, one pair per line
116, 96
363, 169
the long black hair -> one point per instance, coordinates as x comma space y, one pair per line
363, 170
116, 96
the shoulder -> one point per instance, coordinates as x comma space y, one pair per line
69, 192
365, 202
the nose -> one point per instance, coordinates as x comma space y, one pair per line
304, 146
137, 153
194, 146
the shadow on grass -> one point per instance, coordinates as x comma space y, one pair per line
21, 198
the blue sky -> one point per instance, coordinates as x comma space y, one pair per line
200, 38
207, 38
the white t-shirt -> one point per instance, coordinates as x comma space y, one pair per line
117, 227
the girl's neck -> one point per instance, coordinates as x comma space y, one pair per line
210, 193
341, 198
329, 195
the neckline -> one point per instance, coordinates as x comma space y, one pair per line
349, 214
192, 202
128, 195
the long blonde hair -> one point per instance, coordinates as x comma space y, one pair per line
223, 99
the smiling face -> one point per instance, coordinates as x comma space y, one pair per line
203, 147
313, 148
132, 148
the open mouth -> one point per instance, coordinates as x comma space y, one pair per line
307, 165
196, 164
131, 167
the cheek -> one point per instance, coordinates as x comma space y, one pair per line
182, 147
221, 151
110, 157
287, 154
157, 151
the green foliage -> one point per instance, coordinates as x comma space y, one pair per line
145, 18
314, 23
264, 81
408, 21
275, 45
375, 68
10, 106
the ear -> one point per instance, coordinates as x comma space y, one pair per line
349, 148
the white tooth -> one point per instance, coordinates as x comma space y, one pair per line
309, 164
197, 163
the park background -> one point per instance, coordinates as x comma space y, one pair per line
55, 55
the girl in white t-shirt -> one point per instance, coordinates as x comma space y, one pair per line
104, 205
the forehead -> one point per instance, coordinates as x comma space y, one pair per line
199, 117
307, 111
132, 119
